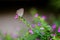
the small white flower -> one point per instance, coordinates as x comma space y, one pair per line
41, 28
20, 12
49, 26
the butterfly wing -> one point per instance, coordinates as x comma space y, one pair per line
20, 12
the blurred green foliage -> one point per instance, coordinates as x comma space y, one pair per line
33, 11
55, 5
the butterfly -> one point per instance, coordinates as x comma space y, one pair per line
20, 12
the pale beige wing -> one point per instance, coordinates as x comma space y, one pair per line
20, 12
